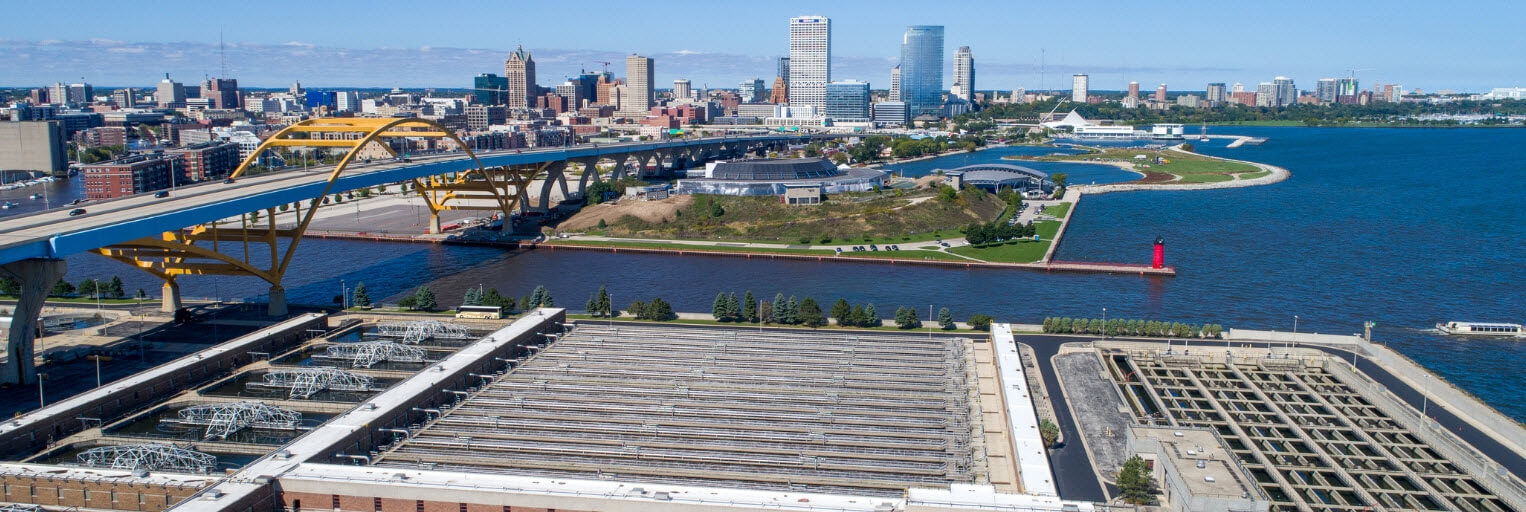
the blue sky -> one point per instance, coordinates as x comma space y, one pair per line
1474, 46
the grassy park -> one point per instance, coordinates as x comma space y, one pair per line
1161, 167
1015, 251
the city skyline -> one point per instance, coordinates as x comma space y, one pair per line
1042, 56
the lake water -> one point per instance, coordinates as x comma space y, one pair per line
1405, 227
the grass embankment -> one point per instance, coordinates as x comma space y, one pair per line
888, 327
878, 218
1016, 251
1056, 210
87, 300
1160, 167
907, 254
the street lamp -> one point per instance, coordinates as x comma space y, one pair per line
1104, 323
1295, 331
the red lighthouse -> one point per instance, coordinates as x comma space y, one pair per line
1160, 253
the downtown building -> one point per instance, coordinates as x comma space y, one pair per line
751, 91
1080, 87
519, 73
490, 89
205, 161
637, 98
848, 101
964, 74
128, 176
922, 70
810, 61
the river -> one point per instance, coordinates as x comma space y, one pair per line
1404, 227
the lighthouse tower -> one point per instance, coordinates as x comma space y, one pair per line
1160, 253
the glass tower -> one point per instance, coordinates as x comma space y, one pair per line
848, 100
922, 69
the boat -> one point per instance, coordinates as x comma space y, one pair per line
1480, 329
36, 196
1204, 136
8, 205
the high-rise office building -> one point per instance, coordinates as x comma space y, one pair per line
848, 100
895, 83
964, 74
922, 69
810, 60
638, 83
1266, 95
1134, 90
1284, 91
681, 90
1160, 93
569, 91
1237, 88
490, 89
1324, 90
347, 101
1346, 90
171, 94
223, 92
125, 97
1080, 87
519, 72
784, 69
751, 91
1217, 94
780, 94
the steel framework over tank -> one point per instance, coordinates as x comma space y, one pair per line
416, 332
305, 382
366, 354
148, 456
222, 420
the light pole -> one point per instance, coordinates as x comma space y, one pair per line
97, 358
41, 401
344, 296
760, 316
929, 321
1295, 331
1104, 323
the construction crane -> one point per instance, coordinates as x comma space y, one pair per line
1351, 72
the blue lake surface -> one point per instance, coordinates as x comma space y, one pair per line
1405, 227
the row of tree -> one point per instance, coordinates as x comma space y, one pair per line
90, 288
997, 231
1123, 327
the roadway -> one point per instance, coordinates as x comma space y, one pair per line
1075, 479
54, 233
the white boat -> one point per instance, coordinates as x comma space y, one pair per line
1204, 136
8, 205
1479, 329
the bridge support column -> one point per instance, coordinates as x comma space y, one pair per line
37, 277
434, 223
277, 301
170, 302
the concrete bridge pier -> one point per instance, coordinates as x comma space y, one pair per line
277, 301
171, 297
36, 277
434, 223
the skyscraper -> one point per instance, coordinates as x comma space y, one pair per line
222, 91
810, 60
1324, 90
519, 71
848, 100
1286, 93
1134, 90
780, 94
895, 83
681, 89
964, 74
490, 89
922, 69
1160, 93
1217, 94
751, 91
784, 69
638, 81
170, 94
1346, 90
1080, 87
570, 91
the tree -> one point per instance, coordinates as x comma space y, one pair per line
871, 317
945, 319
1136, 481
114, 288
906, 318
842, 312
1049, 432
87, 288
361, 299
810, 313
637, 309
981, 322
1059, 179
424, 297
491, 297
592, 306
777, 309
718, 308
733, 307
540, 298
9, 286
409, 302
749, 307
855, 317
602, 302
766, 312
142, 294
660, 310
61, 288
472, 297
790, 315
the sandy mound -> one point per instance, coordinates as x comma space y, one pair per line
650, 211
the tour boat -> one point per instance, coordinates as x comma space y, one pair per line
1480, 329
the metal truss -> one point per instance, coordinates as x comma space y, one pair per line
222, 420
416, 332
149, 457
366, 354
306, 382
21, 507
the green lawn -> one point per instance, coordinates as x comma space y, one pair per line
1057, 210
1253, 175
1188, 167
88, 300
1016, 252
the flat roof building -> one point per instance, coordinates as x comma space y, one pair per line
33, 146
848, 101
127, 176
206, 161
772, 176
1196, 470
810, 60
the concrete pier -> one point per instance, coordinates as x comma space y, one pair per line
37, 277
